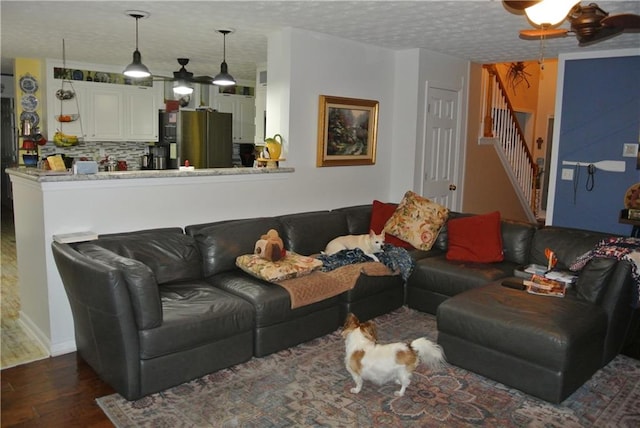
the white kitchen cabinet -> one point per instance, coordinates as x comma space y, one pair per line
141, 114
105, 114
243, 108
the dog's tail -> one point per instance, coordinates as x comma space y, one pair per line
430, 353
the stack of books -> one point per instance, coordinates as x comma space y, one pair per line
527, 272
545, 287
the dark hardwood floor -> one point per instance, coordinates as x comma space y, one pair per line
55, 392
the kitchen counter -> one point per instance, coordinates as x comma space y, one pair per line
46, 204
43, 176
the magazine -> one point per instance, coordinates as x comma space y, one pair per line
545, 287
526, 272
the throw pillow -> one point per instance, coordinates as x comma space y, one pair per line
380, 213
475, 239
291, 266
417, 221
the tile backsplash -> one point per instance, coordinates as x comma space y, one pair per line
117, 150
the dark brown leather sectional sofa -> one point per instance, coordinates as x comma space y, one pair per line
155, 308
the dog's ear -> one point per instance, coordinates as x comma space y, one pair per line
351, 322
369, 330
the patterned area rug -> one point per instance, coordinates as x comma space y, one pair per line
309, 386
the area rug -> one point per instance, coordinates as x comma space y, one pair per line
308, 386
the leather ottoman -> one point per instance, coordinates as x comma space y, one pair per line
544, 346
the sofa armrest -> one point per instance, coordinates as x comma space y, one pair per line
618, 304
140, 280
104, 323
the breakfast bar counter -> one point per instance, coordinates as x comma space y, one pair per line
47, 204
52, 176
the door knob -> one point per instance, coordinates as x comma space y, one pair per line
452, 187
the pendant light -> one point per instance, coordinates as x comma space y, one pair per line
224, 78
137, 69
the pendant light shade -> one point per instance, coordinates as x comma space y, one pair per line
137, 69
224, 78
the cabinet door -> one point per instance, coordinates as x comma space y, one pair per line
243, 110
140, 114
246, 112
105, 115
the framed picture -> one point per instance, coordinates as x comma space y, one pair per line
347, 131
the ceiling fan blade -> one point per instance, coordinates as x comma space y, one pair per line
518, 4
547, 33
602, 34
622, 20
203, 79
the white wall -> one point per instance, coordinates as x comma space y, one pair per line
415, 71
304, 65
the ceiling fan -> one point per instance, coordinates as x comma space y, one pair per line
183, 75
589, 23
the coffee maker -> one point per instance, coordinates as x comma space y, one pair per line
156, 159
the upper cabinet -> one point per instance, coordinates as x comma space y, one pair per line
101, 110
243, 108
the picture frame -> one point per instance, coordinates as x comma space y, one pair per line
347, 131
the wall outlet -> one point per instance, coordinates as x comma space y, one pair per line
630, 150
567, 174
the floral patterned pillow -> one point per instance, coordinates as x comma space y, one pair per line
291, 266
417, 220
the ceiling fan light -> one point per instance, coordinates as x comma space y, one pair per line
181, 87
224, 78
136, 69
549, 12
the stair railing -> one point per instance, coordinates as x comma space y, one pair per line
501, 125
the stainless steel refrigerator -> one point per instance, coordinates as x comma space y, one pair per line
203, 137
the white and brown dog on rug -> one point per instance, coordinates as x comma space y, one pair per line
367, 360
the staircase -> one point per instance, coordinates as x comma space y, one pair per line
501, 129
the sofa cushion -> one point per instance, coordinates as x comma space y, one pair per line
195, 314
475, 239
593, 279
309, 233
141, 284
358, 218
568, 244
381, 212
417, 221
222, 242
291, 266
517, 238
171, 255
448, 278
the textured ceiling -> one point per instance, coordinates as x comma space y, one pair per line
482, 31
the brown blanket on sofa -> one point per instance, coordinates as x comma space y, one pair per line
318, 285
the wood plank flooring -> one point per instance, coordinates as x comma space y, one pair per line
55, 392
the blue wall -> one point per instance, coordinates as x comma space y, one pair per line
600, 112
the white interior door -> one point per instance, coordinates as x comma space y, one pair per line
442, 163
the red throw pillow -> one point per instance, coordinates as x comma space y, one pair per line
475, 239
380, 213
